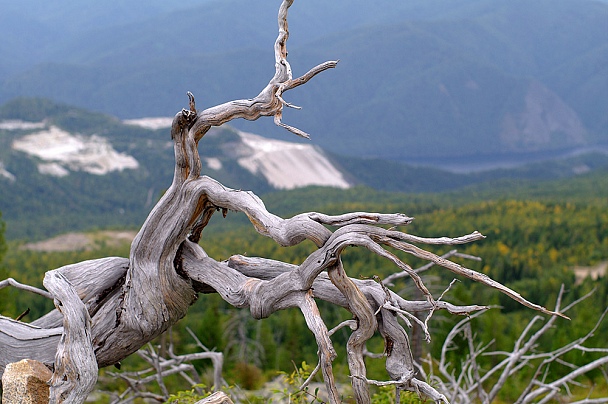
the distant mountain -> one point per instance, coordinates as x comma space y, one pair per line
66, 165
418, 81
63, 168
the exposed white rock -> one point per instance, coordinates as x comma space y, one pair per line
54, 169
92, 154
287, 165
213, 163
15, 124
4, 173
150, 123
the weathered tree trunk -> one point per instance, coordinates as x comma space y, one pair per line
109, 308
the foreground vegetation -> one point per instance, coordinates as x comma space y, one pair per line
536, 234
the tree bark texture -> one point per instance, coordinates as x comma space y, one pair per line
109, 308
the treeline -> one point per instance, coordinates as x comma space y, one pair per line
533, 240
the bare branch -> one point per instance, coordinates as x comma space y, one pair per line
27, 288
366, 325
75, 364
216, 398
466, 272
453, 253
552, 388
109, 308
269, 102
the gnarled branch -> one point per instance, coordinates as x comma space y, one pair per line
109, 308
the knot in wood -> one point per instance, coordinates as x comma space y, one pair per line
189, 116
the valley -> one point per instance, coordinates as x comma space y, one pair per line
468, 80
469, 116
60, 163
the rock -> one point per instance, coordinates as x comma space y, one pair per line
25, 382
216, 398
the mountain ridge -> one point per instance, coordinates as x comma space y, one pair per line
75, 181
426, 80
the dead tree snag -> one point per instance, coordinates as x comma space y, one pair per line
109, 308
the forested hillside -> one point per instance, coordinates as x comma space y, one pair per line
424, 79
537, 232
42, 197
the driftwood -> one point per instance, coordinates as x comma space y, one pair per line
109, 308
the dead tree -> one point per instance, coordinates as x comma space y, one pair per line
106, 309
473, 383
160, 367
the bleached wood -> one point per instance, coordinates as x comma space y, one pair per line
109, 308
216, 398
20, 340
75, 372
461, 386
27, 288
